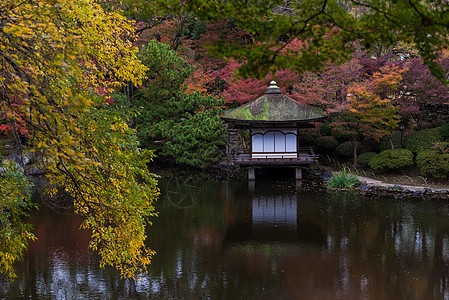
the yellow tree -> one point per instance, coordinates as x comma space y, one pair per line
54, 55
370, 109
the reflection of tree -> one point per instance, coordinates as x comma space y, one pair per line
391, 247
355, 248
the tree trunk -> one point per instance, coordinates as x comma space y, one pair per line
391, 141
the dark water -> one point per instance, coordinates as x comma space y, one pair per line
229, 241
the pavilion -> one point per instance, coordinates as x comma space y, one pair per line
264, 133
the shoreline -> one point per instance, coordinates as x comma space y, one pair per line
378, 187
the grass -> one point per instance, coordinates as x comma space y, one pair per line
343, 180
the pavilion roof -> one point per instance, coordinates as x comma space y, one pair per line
273, 107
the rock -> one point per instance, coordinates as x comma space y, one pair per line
427, 191
326, 176
398, 187
417, 193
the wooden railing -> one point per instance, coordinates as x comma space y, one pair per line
305, 155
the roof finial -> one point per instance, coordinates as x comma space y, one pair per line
273, 88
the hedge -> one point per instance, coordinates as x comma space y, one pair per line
423, 139
433, 163
392, 159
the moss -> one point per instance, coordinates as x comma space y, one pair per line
273, 108
264, 116
242, 114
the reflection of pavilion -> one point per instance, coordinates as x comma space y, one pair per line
274, 217
268, 218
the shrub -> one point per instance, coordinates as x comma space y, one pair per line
444, 131
433, 163
345, 149
307, 136
441, 147
326, 144
422, 140
340, 136
385, 141
392, 159
436, 122
369, 144
363, 159
342, 180
325, 129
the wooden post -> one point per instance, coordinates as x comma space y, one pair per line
251, 174
298, 173
251, 187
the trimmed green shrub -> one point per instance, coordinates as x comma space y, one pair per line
423, 139
395, 138
307, 136
444, 131
325, 144
345, 150
392, 159
363, 159
433, 163
343, 180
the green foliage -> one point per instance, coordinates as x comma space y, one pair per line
3, 144
423, 139
339, 134
326, 144
185, 126
307, 136
433, 163
329, 28
196, 27
441, 147
444, 131
106, 173
345, 149
343, 180
395, 138
196, 141
392, 159
14, 206
325, 129
364, 158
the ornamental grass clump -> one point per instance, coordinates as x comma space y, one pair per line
343, 180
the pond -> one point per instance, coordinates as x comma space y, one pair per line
274, 240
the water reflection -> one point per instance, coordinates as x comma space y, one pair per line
273, 241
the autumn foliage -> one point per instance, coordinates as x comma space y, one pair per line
54, 55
